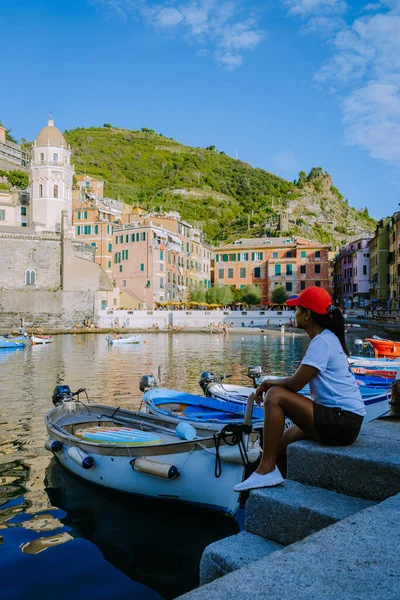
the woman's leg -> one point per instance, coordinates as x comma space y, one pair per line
290, 435
278, 403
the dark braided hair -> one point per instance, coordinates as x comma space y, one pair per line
334, 321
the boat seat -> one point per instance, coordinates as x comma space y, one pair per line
118, 436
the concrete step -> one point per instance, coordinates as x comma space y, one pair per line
292, 511
232, 553
369, 468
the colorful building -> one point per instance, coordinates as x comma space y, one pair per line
14, 208
294, 263
145, 265
394, 262
379, 255
352, 273
94, 220
166, 258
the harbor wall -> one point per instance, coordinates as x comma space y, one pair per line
42, 308
143, 319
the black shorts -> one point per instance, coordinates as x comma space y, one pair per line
336, 427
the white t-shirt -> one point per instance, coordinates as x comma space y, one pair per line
334, 385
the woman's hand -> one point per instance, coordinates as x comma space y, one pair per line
261, 390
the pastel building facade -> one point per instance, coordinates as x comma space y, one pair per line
159, 258
94, 221
145, 266
394, 262
379, 255
14, 208
293, 263
352, 274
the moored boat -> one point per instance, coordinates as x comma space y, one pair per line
133, 339
41, 339
384, 348
200, 409
12, 344
376, 399
142, 454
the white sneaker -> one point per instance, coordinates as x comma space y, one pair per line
259, 481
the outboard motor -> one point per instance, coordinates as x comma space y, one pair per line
206, 379
359, 344
62, 393
147, 382
254, 373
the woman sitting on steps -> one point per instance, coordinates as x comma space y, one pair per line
336, 410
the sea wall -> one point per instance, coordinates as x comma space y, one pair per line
143, 319
40, 308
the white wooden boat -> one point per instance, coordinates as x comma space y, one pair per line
142, 454
132, 339
41, 339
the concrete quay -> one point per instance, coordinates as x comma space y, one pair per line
330, 531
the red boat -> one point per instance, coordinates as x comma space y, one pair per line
374, 372
384, 348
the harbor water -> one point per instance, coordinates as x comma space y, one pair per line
60, 535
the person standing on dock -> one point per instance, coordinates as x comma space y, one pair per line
334, 414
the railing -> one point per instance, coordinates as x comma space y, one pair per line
52, 163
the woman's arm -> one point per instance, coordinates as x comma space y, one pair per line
295, 383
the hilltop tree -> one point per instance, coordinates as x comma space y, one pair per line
302, 180
279, 295
315, 172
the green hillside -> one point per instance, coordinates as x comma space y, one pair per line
222, 195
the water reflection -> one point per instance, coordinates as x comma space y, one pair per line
154, 543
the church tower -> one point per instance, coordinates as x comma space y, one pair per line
50, 179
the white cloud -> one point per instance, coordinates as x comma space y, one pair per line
364, 73
168, 17
226, 29
304, 8
229, 60
372, 114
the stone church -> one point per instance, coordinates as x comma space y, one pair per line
47, 276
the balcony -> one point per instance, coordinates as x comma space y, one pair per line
49, 163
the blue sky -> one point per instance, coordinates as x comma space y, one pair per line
288, 84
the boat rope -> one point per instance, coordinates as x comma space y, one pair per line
232, 435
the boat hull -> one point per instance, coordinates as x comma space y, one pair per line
41, 340
121, 341
385, 348
9, 344
190, 487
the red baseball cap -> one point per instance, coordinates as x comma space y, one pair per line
314, 298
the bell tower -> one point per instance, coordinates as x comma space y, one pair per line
50, 179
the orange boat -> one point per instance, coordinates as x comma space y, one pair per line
384, 348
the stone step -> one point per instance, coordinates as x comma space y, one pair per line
369, 468
354, 559
292, 511
233, 553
